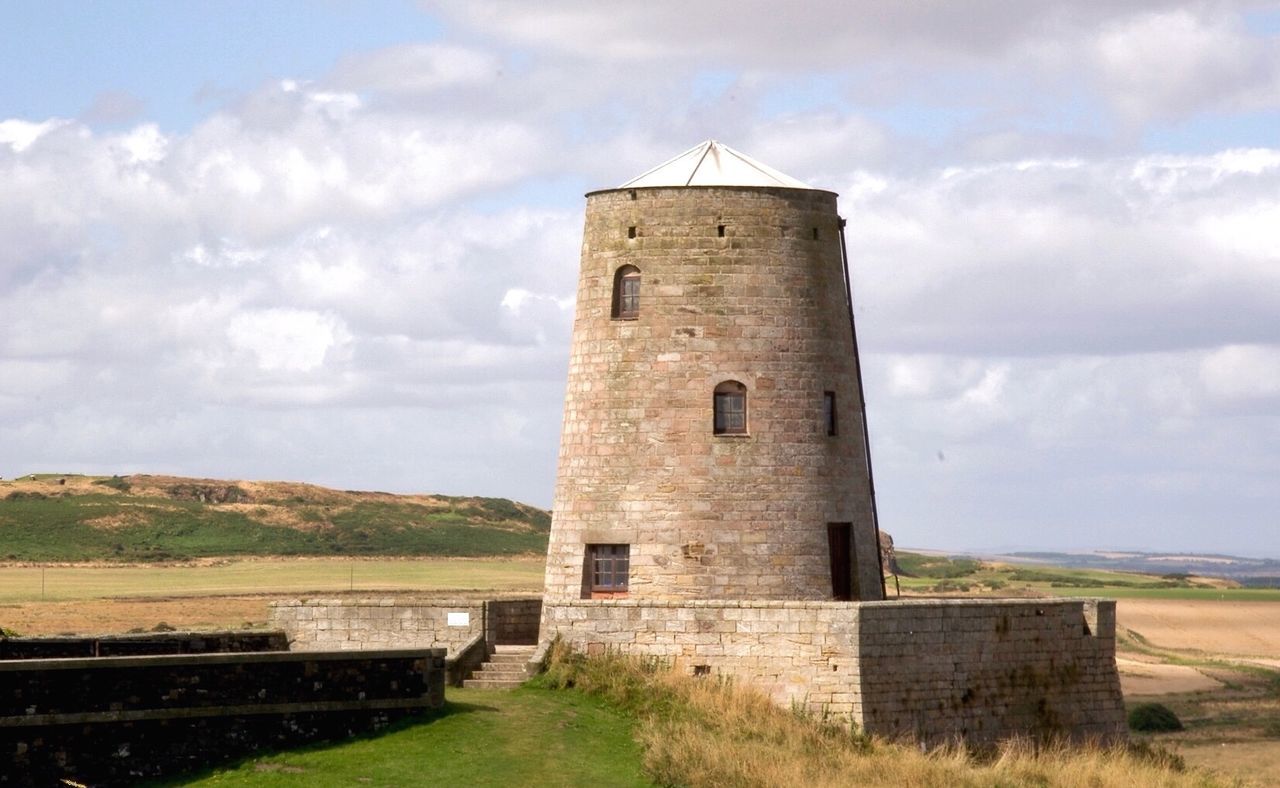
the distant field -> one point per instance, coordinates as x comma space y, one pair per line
99, 599
266, 576
929, 574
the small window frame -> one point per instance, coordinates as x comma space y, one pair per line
729, 409
608, 568
830, 413
626, 293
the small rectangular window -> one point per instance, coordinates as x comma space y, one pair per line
829, 416
631, 232
610, 566
720, 230
731, 413
629, 296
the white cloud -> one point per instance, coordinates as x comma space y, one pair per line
416, 68
21, 134
1035, 257
144, 145
289, 340
1169, 64
1243, 372
811, 34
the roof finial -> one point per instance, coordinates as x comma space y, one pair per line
711, 163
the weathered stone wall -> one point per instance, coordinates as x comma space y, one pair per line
512, 621
404, 622
982, 669
116, 720
737, 283
931, 670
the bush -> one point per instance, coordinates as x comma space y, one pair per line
115, 483
1153, 718
936, 567
22, 495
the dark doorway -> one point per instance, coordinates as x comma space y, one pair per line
840, 540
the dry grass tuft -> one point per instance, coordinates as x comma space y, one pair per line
704, 732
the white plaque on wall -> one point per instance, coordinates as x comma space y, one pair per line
459, 619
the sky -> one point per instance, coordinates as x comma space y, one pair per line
338, 242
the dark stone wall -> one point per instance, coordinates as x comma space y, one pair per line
142, 644
513, 621
117, 720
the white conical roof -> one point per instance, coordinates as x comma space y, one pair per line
713, 164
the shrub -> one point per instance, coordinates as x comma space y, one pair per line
1153, 718
936, 567
115, 483
22, 495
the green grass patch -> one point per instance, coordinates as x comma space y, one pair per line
936, 567
529, 736
41, 527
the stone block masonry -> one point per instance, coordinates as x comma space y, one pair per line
117, 720
141, 644
739, 285
928, 670
406, 622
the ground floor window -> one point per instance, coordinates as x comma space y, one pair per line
609, 565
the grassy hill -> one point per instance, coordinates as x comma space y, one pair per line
165, 518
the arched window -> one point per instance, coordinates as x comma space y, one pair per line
730, 401
626, 293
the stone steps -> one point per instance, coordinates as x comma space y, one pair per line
506, 668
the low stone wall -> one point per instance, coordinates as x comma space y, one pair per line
932, 670
116, 720
141, 644
405, 622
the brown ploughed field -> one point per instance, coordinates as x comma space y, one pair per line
1217, 665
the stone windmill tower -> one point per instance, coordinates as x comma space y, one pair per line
713, 444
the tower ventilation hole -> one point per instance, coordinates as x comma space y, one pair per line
631, 232
815, 233
720, 230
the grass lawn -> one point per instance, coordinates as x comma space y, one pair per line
267, 576
528, 736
